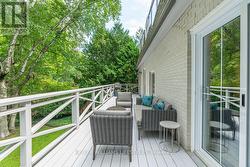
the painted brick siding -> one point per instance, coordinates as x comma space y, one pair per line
171, 62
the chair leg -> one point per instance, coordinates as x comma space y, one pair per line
94, 148
234, 134
130, 153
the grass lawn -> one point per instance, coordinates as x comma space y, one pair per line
13, 160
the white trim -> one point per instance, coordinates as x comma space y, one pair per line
151, 84
178, 9
144, 81
223, 13
244, 84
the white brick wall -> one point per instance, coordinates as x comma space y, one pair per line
171, 61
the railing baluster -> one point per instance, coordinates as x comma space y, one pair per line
26, 133
227, 100
101, 96
110, 91
25, 130
75, 110
126, 87
93, 99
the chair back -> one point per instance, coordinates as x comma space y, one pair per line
226, 116
124, 96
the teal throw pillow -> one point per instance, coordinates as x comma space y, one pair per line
147, 100
159, 106
213, 106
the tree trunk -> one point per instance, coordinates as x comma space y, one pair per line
4, 131
12, 123
12, 117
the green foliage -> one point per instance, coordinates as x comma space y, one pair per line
57, 28
230, 37
111, 57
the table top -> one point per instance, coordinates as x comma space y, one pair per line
116, 108
216, 124
169, 124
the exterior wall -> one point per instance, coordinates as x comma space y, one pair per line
171, 62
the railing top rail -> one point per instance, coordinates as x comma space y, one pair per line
231, 88
150, 9
23, 99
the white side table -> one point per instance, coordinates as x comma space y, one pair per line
215, 146
164, 127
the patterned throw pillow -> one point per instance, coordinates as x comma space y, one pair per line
147, 100
160, 105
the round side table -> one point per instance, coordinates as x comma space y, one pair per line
172, 126
215, 145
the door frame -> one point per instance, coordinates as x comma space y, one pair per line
222, 14
245, 83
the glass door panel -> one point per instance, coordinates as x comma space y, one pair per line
221, 93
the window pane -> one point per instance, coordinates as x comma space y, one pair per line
221, 93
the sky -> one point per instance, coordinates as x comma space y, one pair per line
133, 15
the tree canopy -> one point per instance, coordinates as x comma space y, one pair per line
110, 57
64, 39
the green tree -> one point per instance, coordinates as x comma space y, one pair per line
111, 57
47, 54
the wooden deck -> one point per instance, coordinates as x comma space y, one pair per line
76, 150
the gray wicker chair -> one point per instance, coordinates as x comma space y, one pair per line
124, 99
148, 119
112, 128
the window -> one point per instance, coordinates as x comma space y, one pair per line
151, 83
144, 82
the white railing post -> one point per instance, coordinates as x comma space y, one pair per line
25, 130
75, 110
227, 100
101, 96
111, 91
93, 100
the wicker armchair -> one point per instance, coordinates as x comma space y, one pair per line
124, 99
112, 128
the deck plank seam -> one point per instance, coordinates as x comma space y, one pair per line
85, 145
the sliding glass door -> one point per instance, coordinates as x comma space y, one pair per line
221, 84
245, 84
221, 93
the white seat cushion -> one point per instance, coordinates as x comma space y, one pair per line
114, 113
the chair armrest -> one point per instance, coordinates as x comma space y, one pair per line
152, 118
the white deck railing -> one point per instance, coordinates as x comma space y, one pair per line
149, 21
228, 95
99, 95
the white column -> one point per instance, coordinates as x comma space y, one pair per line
75, 110
25, 130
